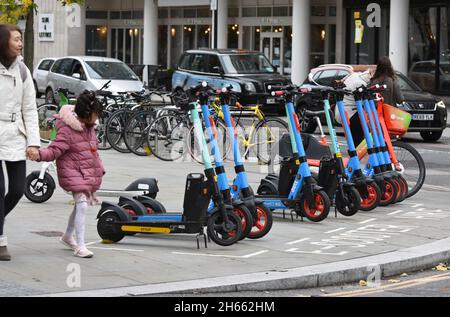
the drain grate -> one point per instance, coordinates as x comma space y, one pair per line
49, 234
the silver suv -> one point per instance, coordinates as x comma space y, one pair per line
79, 73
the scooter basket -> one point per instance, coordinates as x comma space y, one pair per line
196, 200
397, 120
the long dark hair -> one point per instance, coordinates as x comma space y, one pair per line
384, 69
87, 103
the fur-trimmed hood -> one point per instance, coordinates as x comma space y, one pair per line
68, 117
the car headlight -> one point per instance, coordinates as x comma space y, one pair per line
404, 105
440, 104
250, 87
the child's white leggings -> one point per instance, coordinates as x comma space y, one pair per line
77, 221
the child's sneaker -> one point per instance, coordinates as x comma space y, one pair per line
83, 252
69, 242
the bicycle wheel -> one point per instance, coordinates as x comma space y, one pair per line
223, 142
100, 130
167, 136
135, 134
411, 166
115, 130
266, 138
46, 120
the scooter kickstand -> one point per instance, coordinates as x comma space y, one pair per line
202, 234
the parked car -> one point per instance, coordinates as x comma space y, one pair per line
429, 114
79, 73
249, 72
424, 75
40, 74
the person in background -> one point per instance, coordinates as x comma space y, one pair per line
19, 125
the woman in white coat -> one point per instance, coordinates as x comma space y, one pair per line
19, 127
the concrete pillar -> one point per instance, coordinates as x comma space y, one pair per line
301, 29
340, 32
398, 38
150, 32
222, 24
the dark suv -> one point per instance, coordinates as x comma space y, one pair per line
249, 72
429, 115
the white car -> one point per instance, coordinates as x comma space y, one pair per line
40, 75
79, 73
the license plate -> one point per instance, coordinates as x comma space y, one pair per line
271, 101
423, 117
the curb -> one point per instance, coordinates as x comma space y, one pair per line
390, 264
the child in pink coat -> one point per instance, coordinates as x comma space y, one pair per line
80, 169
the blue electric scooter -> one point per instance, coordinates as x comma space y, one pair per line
262, 216
295, 187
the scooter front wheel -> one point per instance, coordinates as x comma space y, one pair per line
350, 204
39, 190
321, 209
246, 219
224, 233
390, 194
373, 198
263, 224
404, 186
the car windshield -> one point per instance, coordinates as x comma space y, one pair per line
405, 84
247, 64
110, 70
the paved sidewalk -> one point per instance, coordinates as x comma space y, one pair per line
42, 266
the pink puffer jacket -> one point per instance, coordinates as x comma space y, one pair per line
80, 168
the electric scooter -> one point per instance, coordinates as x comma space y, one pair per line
240, 208
382, 150
222, 225
332, 174
373, 166
295, 187
262, 216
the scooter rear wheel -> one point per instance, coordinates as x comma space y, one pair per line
404, 188
246, 219
264, 221
224, 234
105, 227
373, 199
390, 194
353, 201
321, 210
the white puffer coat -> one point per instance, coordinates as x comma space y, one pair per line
18, 101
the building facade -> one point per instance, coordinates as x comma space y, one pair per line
295, 35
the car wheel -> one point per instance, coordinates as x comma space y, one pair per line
38, 95
431, 136
49, 96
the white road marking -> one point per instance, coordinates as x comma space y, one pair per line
335, 230
368, 220
417, 205
295, 250
95, 242
298, 241
223, 255
395, 212
117, 249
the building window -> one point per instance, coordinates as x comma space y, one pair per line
96, 40
203, 13
188, 37
249, 12
103, 15
138, 15
162, 45
127, 15
265, 12
280, 11
317, 11
163, 13
190, 13
233, 12
332, 11
114, 15
233, 36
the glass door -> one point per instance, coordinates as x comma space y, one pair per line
272, 46
127, 45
